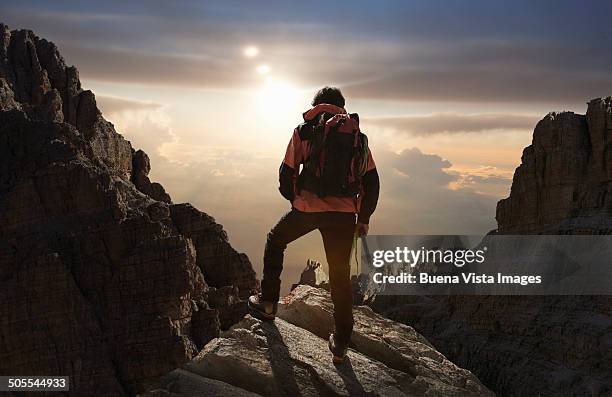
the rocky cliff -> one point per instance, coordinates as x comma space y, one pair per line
522, 345
564, 182
102, 277
289, 357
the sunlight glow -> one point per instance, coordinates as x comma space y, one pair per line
263, 69
278, 99
250, 51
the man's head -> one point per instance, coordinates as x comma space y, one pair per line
331, 95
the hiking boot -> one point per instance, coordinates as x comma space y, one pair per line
338, 349
261, 309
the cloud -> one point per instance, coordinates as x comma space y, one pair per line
419, 167
128, 66
486, 180
439, 123
470, 179
490, 84
145, 124
419, 195
113, 105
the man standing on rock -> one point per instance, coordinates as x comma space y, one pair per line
336, 192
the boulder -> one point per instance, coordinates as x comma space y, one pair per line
396, 345
291, 358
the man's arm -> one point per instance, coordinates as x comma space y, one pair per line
371, 190
286, 177
287, 172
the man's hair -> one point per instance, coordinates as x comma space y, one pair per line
331, 95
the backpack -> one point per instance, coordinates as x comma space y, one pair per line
338, 155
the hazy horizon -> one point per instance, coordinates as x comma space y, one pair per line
448, 93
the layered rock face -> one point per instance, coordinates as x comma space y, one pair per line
545, 345
102, 277
564, 182
289, 357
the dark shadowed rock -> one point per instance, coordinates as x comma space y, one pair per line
102, 278
517, 345
181, 383
221, 264
141, 166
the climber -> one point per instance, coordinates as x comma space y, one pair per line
336, 192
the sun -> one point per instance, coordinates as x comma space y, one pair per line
278, 91
263, 69
250, 51
278, 98
275, 97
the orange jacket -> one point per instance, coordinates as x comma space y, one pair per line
298, 151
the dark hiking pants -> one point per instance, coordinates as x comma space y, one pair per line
337, 229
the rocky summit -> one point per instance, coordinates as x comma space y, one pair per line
544, 345
102, 277
289, 357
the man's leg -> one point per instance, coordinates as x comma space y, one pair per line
289, 228
337, 234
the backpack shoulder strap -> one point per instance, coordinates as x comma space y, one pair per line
305, 130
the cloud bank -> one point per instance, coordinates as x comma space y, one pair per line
439, 123
484, 52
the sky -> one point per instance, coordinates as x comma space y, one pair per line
448, 93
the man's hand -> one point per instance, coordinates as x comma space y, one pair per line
362, 229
